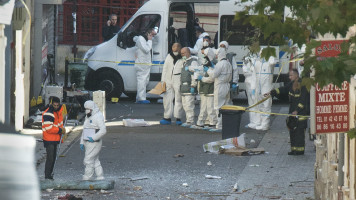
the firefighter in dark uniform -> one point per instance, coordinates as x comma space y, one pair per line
299, 99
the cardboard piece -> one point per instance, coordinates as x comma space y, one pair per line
159, 88
242, 151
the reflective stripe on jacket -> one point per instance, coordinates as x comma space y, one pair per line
52, 124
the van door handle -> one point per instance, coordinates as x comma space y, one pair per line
155, 53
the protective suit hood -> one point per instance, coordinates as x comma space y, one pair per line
221, 53
91, 105
224, 43
203, 35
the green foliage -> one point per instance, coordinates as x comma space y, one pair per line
351, 133
308, 18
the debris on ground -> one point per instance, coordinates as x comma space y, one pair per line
137, 188
209, 163
212, 177
241, 151
185, 184
235, 188
178, 155
70, 197
135, 122
214, 147
139, 178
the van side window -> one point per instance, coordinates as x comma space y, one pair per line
140, 24
237, 33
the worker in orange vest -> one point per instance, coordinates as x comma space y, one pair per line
52, 128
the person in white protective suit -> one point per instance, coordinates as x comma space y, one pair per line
234, 85
188, 85
248, 69
94, 122
143, 63
264, 80
200, 33
206, 91
171, 76
222, 74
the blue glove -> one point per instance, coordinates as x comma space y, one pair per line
90, 139
234, 86
186, 68
200, 77
212, 65
192, 90
196, 70
206, 68
82, 147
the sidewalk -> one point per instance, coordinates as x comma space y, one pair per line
276, 175
40, 151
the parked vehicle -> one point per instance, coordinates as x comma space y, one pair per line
111, 64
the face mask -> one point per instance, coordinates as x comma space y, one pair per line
88, 115
205, 43
175, 53
184, 57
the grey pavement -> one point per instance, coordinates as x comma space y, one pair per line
276, 175
273, 175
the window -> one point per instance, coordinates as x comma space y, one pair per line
144, 22
137, 27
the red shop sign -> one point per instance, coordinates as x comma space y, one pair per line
332, 108
330, 48
331, 103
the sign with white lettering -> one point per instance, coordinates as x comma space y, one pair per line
332, 105
332, 108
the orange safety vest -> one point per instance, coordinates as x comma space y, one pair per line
51, 122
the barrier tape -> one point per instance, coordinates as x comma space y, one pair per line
231, 107
133, 63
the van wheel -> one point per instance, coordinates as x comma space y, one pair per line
111, 83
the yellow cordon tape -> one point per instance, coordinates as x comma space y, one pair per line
127, 63
133, 63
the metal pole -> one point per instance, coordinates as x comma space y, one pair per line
59, 146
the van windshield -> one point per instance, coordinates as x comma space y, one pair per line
237, 33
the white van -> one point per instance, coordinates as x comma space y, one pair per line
111, 64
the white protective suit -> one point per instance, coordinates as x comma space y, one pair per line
143, 55
188, 99
207, 111
264, 78
171, 76
92, 149
198, 44
250, 83
222, 73
235, 70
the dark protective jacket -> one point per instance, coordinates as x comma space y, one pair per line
299, 100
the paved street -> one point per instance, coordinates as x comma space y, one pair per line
149, 154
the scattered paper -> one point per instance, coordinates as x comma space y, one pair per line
185, 184
212, 177
209, 163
